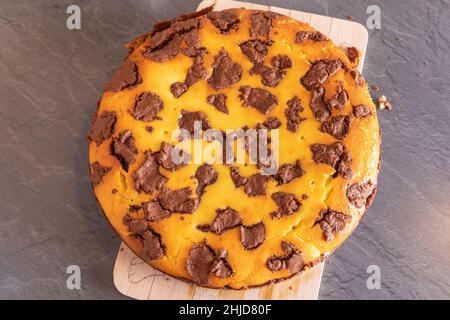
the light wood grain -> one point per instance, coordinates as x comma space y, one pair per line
135, 278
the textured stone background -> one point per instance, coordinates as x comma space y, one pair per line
51, 79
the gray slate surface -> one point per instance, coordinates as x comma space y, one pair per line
51, 79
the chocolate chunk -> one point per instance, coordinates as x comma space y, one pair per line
199, 263
166, 52
292, 260
179, 200
225, 72
238, 180
337, 126
152, 246
359, 80
334, 155
218, 101
281, 62
339, 100
256, 50
147, 177
146, 106
353, 55
292, 113
271, 123
361, 111
192, 40
359, 194
253, 236
225, 219
256, 185
259, 68
149, 129
257, 98
261, 23
288, 172
187, 119
331, 222
287, 204
178, 88
319, 73
103, 126
138, 225
196, 72
124, 149
271, 77
192, 52
98, 171
125, 77
154, 212
165, 159
318, 106
205, 175
221, 268
314, 36
225, 20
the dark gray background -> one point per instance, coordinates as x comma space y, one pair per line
51, 79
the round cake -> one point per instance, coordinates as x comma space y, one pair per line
164, 147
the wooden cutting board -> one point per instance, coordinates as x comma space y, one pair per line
136, 279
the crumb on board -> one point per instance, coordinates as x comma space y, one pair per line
383, 103
375, 88
350, 18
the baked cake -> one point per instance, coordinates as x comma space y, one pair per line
232, 224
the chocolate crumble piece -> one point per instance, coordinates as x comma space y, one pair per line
146, 107
255, 185
361, 111
225, 20
179, 200
271, 77
292, 260
225, 72
178, 88
225, 219
360, 194
124, 149
339, 100
261, 23
205, 175
153, 211
138, 225
314, 36
334, 155
164, 157
221, 268
292, 113
149, 129
337, 126
187, 119
152, 246
318, 106
253, 236
331, 222
166, 52
287, 204
98, 171
353, 55
270, 124
281, 62
256, 50
125, 77
218, 101
238, 180
359, 80
199, 263
147, 177
195, 73
102, 126
319, 73
288, 172
257, 98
